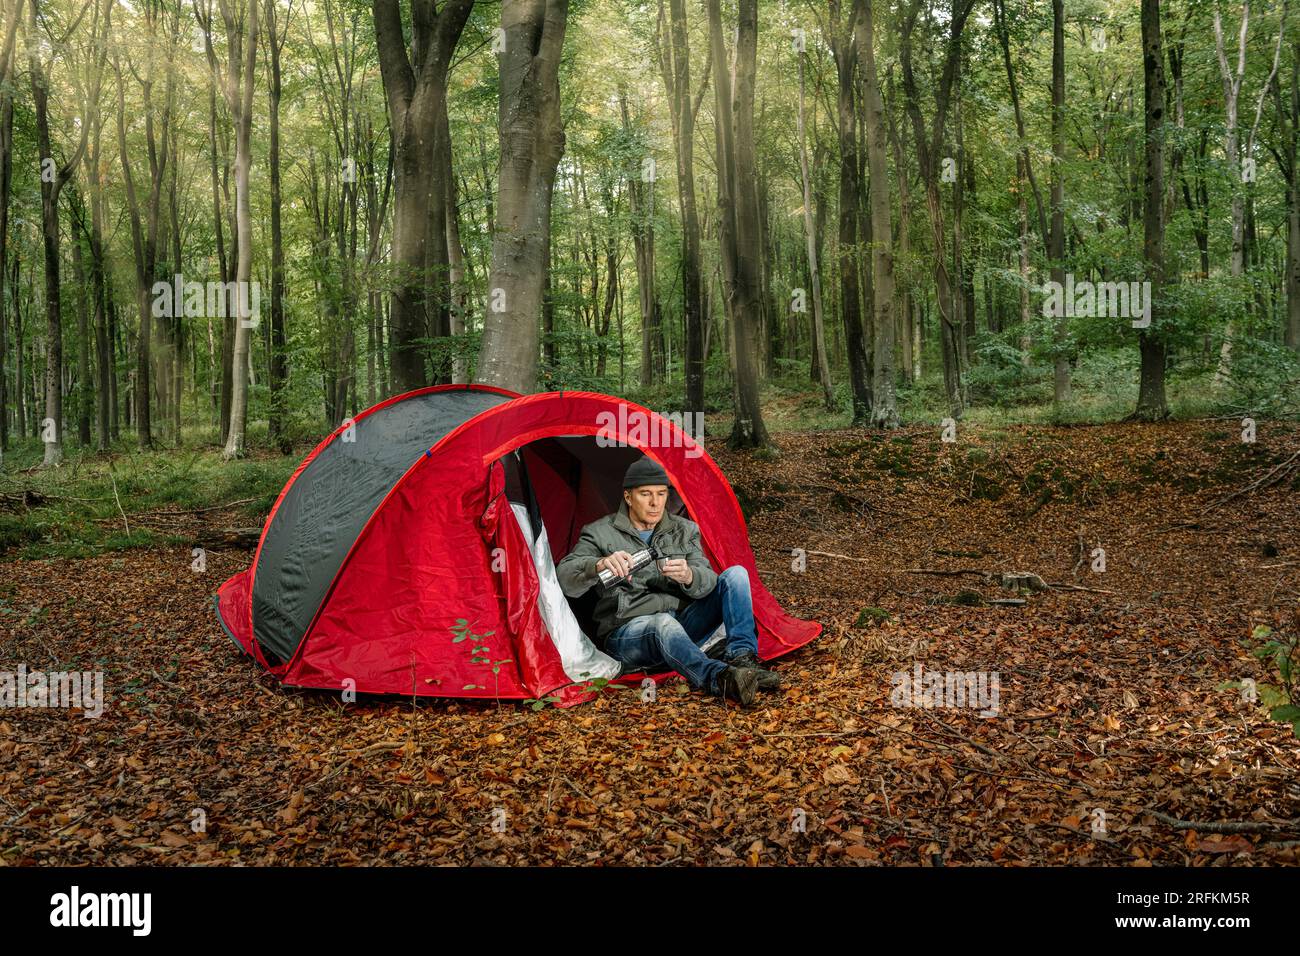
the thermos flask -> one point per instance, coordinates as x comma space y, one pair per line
639, 560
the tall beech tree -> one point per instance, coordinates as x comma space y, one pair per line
532, 142
242, 28
675, 59
279, 360
415, 82
145, 231
1056, 238
1239, 163
844, 48
1152, 404
810, 244
739, 231
929, 147
11, 14
884, 411
43, 51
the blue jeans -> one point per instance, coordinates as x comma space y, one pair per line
671, 641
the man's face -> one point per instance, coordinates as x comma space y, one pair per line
645, 503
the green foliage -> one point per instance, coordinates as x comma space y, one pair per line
480, 653
1278, 651
337, 240
444, 352
85, 499
872, 615
1001, 376
1265, 378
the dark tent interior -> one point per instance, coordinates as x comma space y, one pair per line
571, 481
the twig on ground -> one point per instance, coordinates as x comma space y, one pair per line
193, 511
1278, 473
125, 523
1079, 587
1226, 826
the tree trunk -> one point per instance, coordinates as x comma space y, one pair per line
810, 240
20, 377
677, 76
417, 90
739, 233
532, 142
177, 327
1151, 405
52, 181
458, 290
1291, 124
844, 49
13, 10
884, 413
928, 146
239, 100
1022, 210
82, 391
279, 364
98, 272
1056, 246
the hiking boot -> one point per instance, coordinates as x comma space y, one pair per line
767, 680
736, 683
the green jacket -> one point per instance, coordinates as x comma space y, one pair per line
649, 592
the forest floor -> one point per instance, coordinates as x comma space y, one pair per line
1114, 719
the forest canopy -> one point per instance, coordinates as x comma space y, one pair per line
246, 220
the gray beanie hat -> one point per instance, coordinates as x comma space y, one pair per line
645, 471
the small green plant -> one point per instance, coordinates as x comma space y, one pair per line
539, 703
872, 615
480, 653
1280, 649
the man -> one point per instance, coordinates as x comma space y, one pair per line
656, 617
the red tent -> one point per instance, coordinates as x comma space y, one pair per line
451, 504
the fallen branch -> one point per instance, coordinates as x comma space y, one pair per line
193, 511
125, 524
384, 746
1079, 587
164, 681
1225, 826
1278, 473
1092, 835
380, 747
841, 557
27, 500
955, 733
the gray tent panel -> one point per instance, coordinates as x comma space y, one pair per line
325, 509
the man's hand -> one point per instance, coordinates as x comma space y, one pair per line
620, 562
678, 570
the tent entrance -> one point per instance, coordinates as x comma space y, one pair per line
556, 487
